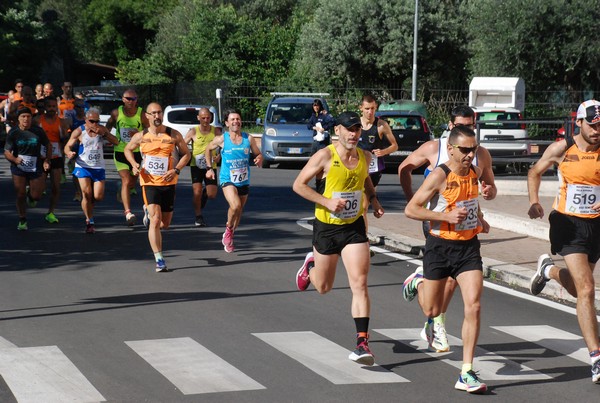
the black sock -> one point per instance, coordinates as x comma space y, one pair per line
362, 328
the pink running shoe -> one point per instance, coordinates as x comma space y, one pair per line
302, 277
228, 240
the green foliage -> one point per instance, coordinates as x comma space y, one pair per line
197, 42
543, 41
109, 31
371, 41
22, 45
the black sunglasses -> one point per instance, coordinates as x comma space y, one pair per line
93, 121
465, 150
131, 98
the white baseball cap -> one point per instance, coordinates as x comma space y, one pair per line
590, 111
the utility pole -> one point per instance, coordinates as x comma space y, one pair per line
415, 41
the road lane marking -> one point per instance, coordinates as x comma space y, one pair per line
490, 366
44, 374
552, 338
191, 367
327, 359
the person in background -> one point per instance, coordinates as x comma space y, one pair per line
376, 137
48, 90
39, 92
57, 131
321, 123
23, 149
89, 163
66, 101
19, 85
127, 120
200, 136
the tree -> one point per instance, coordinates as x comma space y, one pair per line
22, 43
370, 42
542, 41
198, 42
109, 31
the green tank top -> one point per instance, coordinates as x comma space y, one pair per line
126, 127
199, 147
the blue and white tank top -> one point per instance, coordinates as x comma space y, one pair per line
235, 165
443, 156
91, 150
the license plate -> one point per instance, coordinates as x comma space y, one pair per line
294, 150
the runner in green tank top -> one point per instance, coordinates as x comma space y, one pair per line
200, 136
127, 120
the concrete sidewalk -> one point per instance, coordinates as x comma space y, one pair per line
510, 250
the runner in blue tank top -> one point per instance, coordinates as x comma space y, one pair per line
234, 177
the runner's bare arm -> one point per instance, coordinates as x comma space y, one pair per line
258, 159
553, 155
134, 143
416, 159
68, 149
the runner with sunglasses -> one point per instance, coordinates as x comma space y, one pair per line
89, 164
431, 154
452, 249
127, 119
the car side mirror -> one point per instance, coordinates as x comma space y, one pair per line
259, 122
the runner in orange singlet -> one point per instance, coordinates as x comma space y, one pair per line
452, 248
57, 132
158, 174
574, 222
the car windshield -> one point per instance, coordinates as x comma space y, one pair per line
404, 122
105, 106
289, 113
188, 116
497, 120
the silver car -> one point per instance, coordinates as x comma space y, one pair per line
286, 137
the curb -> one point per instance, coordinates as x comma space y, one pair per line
518, 187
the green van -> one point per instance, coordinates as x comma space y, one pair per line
404, 105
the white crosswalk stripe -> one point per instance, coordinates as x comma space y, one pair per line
44, 374
554, 339
36, 374
191, 367
326, 358
490, 366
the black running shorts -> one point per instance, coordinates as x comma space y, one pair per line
570, 234
164, 196
199, 176
330, 239
445, 258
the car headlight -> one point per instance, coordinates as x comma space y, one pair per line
271, 132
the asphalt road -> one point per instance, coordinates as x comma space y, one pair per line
86, 318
